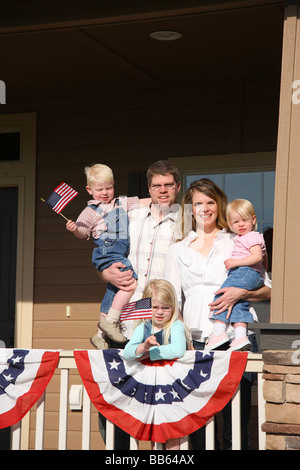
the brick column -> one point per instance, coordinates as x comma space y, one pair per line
281, 389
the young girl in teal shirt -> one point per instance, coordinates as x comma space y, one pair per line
164, 337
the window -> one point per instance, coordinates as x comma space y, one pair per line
10, 146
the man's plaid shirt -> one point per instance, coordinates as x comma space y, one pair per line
149, 243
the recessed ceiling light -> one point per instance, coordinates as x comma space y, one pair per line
165, 35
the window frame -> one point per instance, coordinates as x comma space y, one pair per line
226, 163
13, 130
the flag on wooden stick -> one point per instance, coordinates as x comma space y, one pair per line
137, 310
60, 197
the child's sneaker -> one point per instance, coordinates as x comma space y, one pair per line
112, 330
241, 344
98, 342
215, 342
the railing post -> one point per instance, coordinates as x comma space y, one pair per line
210, 434
86, 422
110, 436
184, 443
16, 436
40, 423
261, 413
134, 443
236, 420
63, 410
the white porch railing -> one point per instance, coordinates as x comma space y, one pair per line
67, 362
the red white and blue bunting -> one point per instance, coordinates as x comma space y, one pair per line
158, 400
24, 376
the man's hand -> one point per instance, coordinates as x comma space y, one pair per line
121, 279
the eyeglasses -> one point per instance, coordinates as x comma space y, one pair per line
168, 186
164, 309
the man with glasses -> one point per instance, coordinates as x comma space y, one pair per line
151, 231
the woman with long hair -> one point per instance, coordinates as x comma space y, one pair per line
195, 265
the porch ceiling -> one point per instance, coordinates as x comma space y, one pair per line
57, 48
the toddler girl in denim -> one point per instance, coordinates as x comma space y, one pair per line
105, 219
246, 269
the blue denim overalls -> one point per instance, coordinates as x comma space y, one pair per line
112, 247
148, 332
243, 277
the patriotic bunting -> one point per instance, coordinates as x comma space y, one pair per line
137, 310
60, 197
24, 376
158, 400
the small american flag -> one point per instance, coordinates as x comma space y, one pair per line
137, 310
60, 197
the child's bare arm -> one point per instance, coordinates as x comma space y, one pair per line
255, 257
72, 227
145, 201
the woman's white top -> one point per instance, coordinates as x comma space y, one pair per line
196, 278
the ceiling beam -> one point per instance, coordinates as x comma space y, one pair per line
64, 15
113, 56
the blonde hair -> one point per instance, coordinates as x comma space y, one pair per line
244, 208
98, 173
164, 292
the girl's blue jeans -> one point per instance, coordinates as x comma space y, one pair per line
243, 277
